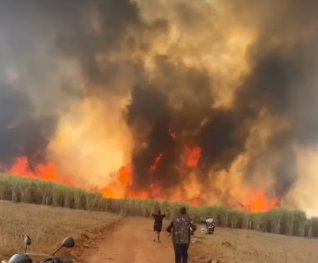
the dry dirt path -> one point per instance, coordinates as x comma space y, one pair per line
131, 241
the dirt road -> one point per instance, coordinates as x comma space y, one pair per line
131, 240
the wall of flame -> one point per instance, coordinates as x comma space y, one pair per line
205, 102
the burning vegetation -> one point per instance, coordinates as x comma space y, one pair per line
131, 99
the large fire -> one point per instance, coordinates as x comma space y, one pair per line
122, 184
194, 155
258, 202
118, 188
130, 99
45, 172
156, 163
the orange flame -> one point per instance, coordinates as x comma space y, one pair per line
138, 195
193, 156
121, 186
173, 134
156, 163
196, 202
156, 191
46, 172
118, 188
259, 203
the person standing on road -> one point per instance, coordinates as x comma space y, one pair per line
158, 224
182, 228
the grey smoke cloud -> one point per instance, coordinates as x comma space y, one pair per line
56, 52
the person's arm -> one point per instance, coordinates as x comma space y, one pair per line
193, 227
169, 228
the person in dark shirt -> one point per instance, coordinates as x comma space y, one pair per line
182, 228
157, 227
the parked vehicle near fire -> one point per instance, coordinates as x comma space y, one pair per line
209, 225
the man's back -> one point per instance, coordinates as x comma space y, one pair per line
182, 229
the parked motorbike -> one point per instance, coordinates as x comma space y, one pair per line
209, 225
27, 257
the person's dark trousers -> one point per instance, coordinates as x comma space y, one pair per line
181, 253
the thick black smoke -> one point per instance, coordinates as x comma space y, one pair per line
173, 102
282, 82
149, 116
118, 29
28, 104
179, 100
20, 134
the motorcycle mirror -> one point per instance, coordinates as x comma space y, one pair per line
68, 242
27, 242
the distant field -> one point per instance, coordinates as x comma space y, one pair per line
46, 225
246, 246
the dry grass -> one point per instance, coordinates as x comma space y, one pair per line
46, 225
246, 246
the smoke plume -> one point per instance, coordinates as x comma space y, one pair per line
207, 102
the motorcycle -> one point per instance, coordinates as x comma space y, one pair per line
27, 257
209, 225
